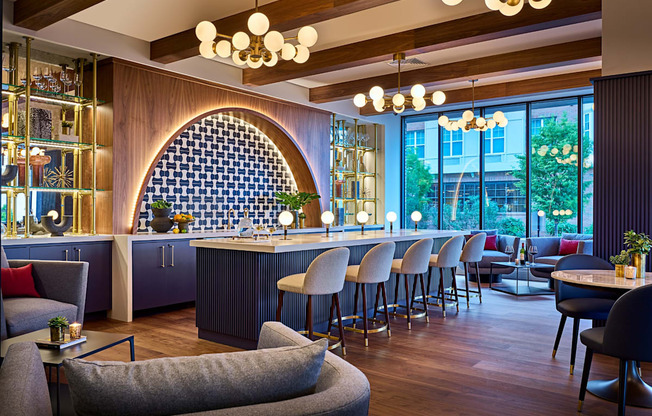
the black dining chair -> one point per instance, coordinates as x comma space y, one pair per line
627, 336
580, 303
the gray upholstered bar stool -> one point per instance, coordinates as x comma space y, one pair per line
472, 254
447, 258
415, 261
325, 276
374, 268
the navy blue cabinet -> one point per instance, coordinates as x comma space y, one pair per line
163, 273
16, 252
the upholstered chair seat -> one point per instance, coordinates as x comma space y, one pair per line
472, 254
447, 258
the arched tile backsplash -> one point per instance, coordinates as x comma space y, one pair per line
219, 163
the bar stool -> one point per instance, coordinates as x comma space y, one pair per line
374, 268
415, 261
448, 257
472, 253
325, 276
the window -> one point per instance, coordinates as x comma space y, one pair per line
537, 124
587, 165
494, 140
415, 143
453, 143
587, 122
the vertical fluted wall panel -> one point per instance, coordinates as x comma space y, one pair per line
623, 160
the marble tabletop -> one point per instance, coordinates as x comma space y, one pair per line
600, 278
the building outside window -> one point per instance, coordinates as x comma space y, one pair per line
453, 144
415, 143
494, 140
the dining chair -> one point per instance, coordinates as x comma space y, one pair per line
580, 303
627, 336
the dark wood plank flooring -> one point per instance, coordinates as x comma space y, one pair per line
491, 359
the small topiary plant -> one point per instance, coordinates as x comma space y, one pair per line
622, 258
58, 322
161, 204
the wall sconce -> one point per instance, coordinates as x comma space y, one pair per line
362, 218
285, 218
327, 218
391, 217
416, 217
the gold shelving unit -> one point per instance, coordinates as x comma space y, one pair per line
16, 146
353, 170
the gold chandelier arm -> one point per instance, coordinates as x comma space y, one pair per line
224, 36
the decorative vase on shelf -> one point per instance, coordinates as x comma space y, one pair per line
620, 270
56, 230
638, 261
162, 223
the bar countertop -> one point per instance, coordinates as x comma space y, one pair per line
300, 242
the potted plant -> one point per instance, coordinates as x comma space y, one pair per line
66, 126
620, 261
162, 222
295, 201
57, 325
639, 246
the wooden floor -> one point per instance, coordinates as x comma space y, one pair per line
491, 359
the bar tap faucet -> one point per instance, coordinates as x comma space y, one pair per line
230, 222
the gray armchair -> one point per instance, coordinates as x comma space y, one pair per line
548, 249
62, 286
23, 387
488, 256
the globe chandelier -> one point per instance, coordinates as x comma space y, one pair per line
398, 101
469, 121
507, 7
262, 47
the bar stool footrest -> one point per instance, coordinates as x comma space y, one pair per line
361, 330
399, 315
329, 337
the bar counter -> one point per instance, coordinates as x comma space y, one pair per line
236, 279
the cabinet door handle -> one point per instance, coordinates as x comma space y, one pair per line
162, 256
172, 255
66, 251
78, 250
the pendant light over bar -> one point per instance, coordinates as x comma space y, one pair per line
469, 121
398, 101
262, 47
507, 7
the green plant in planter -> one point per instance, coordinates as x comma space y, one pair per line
161, 204
620, 259
58, 322
297, 200
637, 243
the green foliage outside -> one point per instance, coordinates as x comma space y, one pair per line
3, 217
419, 186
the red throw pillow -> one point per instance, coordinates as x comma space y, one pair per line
18, 282
568, 246
490, 243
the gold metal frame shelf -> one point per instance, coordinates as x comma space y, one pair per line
21, 189
52, 143
57, 97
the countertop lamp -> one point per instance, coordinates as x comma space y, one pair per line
285, 218
327, 218
391, 217
362, 218
416, 217
540, 214
54, 214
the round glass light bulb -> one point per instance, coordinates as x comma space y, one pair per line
223, 48
438, 97
22, 153
419, 103
443, 121
205, 31
555, 212
391, 216
236, 58
416, 216
503, 123
541, 213
481, 122
302, 54
362, 217
241, 41
569, 212
35, 151
461, 123
399, 110
376, 93
359, 100
273, 61
254, 64
398, 99
452, 2
508, 10
54, 214
327, 217
288, 51
418, 90
273, 41
258, 24
498, 116
494, 4
379, 108
540, 4
206, 50
307, 36
285, 218
467, 115
491, 123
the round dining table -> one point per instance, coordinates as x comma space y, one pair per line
639, 393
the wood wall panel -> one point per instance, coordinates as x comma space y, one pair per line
151, 106
623, 151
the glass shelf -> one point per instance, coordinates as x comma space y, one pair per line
21, 189
344, 172
365, 148
59, 144
58, 97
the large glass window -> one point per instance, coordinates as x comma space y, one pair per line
587, 165
453, 143
421, 164
553, 166
505, 206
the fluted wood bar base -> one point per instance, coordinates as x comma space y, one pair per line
236, 280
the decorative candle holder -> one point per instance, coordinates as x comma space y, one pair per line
56, 229
630, 272
75, 330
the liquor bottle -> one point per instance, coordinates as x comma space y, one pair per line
522, 253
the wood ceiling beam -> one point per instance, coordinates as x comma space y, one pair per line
508, 63
37, 14
510, 89
459, 32
283, 15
